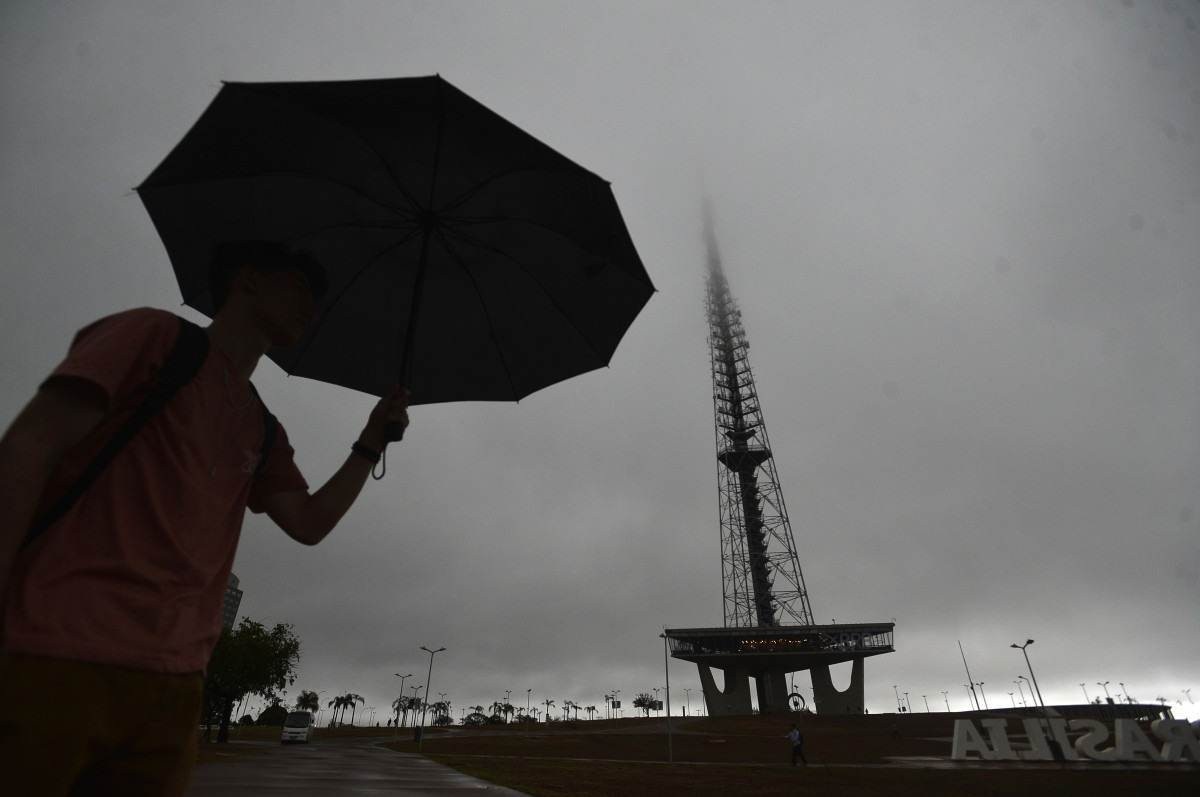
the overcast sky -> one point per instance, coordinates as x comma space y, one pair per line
964, 237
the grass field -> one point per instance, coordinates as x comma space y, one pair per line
749, 756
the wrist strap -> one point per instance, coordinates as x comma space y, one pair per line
367, 453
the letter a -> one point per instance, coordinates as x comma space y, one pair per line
968, 740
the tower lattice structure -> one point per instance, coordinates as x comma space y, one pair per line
761, 578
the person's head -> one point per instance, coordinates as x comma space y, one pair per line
276, 285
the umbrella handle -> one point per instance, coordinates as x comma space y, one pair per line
393, 432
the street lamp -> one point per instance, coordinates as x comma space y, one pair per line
528, 694
1104, 686
946, 697
1020, 690
1085, 694
897, 691
907, 702
984, 694
1124, 691
667, 695
1188, 694
923, 697
1029, 642
428, 681
687, 692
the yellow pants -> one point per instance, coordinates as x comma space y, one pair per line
76, 728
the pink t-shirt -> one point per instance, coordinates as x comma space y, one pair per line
135, 573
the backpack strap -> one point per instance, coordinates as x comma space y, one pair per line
270, 429
180, 367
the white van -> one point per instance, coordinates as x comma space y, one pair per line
298, 727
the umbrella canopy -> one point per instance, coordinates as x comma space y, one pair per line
464, 257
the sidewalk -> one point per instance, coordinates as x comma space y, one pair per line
351, 766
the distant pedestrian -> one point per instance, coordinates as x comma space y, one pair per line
797, 741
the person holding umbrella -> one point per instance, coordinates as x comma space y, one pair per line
112, 609
464, 259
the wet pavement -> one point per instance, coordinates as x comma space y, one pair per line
342, 766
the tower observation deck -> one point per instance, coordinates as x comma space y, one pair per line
769, 628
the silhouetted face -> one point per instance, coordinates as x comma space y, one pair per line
282, 303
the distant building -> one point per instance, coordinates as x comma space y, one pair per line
233, 599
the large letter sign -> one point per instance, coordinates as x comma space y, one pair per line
1130, 743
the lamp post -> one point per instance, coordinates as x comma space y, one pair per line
1085, 694
1104, 686
1032, 677
907, 702
946, 697
984, 694
897, 691
1013, 699
428, 681
507, 703
667, 695
412, 697
687, 692
1188, 694
1028, 685
927, 711
528, 694
1124, 692
1020, 690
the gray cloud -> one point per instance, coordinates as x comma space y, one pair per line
964, 237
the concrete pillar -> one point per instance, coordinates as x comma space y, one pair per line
733, 699
772, 692
829, 700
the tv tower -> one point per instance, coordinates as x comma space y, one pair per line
760, 571
769, 629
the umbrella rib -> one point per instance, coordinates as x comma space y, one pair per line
483, 306
300, 175
479, 186
334, 227
356, 134
525, 270
329, 308
518, 220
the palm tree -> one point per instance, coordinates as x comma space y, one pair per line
397, 705
308, 701
590, 710
352, 700
566, 707
548, 703
337, 703
440, 709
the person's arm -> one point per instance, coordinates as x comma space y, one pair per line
62, 412
309, 518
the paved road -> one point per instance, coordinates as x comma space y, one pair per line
341, 766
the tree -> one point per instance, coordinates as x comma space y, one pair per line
644, 701
566, 707
308, 701
548, 702
337, 704
249, 659
275, 714
475, 718
590, 710
441, 712
352, 700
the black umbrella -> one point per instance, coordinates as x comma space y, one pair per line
465, 258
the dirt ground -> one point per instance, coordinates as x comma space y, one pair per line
867, 755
